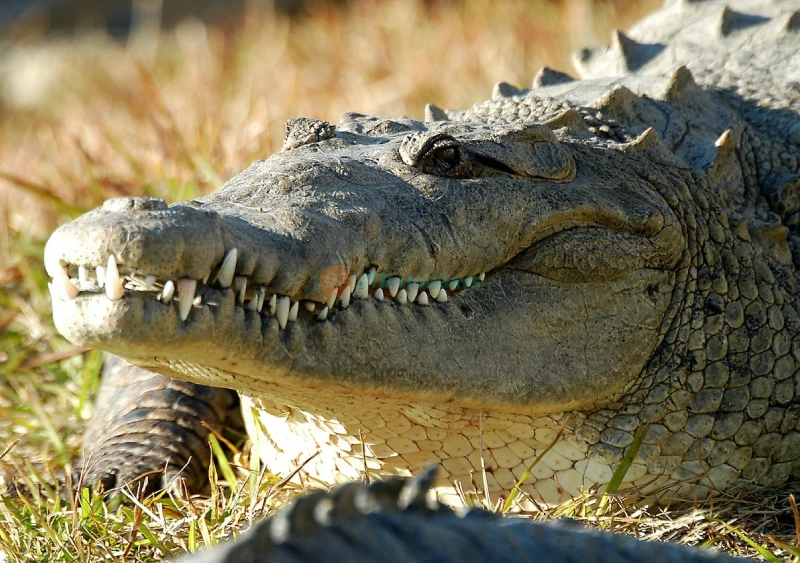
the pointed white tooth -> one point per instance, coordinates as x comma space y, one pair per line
481, 276
323, 314
83, 276
310, 306
205, 278
353, 280
273, 304
114, 289
371, 273
412, 290
186, 289
101, 275
422, 298
149, 282
168, 292
378, 295
442, 297
282, 310
252, 305
468, 281
434, 288
261, 292
63, 286
344, 301
362, 287
402, 297
227, 269
240, 287
331, 299
453, 285
197, 301
293, 311
393, 285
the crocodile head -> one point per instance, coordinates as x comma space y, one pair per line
448, 262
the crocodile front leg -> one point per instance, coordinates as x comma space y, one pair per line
150, 426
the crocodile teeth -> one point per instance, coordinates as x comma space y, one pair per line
83, 276
453, 285
331, 300
261, 293
412, 291
362, 287
62, 286
434, 288
422, 298
402, 297
114, 289
273, 304
282, 310
310, 306
468, 282
393, 285
323, 315
168, 292
186, 289
378, 294
353, 280
101, 276
227, 269
240, 288
371, 273
293, 311
149, 282
345, 299
481, 276
442, 297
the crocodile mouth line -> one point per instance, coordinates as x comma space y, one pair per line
114, 280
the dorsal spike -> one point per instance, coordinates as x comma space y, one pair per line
731, 20
631, 54
624, 44
618, 102
793, 22
728, 141
505, 90
727, 20
570, 119
723, 166
548, 77
435, 113
679, 85
649, 143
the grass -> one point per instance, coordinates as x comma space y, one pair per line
174, 114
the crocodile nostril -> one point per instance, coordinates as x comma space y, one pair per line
120, 204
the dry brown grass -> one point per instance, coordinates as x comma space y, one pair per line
173, 116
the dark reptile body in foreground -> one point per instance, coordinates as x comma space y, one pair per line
395, 521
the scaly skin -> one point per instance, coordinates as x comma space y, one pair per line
639, 239
393, 520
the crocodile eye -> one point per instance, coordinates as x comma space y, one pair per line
446, 157
439, 154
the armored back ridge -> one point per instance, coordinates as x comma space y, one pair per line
572, 263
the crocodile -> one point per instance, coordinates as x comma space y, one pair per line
521, 292
395, 520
